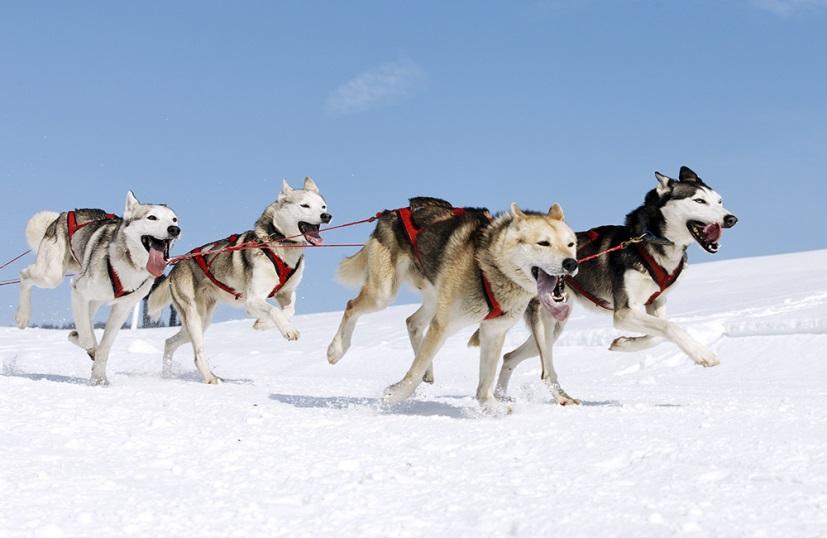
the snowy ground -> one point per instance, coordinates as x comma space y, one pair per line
291, 446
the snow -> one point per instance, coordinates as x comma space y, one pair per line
290, 446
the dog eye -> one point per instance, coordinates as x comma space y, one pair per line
544, 243
700, 201
571, 245
152, 217
306, 206
174, 219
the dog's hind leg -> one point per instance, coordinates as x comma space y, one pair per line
379, 290
639, 343
45, 272
417, 324
84, 334
171, 345
117, 317
195, 326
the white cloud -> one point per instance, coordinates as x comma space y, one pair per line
385, 84
787, 7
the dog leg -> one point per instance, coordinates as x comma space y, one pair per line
546, 330
192, 322
378, 292
171, 345
45, 272
120, 312
639, 343
431, 343
261, 309
492, 336
84, 334
287, 302
637, 321
513, 359
417, 324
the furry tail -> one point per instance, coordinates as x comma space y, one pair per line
159, 298
354, 269
36, 227
474, 341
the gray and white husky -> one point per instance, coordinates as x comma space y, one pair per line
471, 269
244, 278
115, 259
632, 284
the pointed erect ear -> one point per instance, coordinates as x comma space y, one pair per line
664, 183
130, 205
310, 185
285, 189
517, 212
556, 212
686, 174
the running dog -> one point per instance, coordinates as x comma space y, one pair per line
632, 283
115, 259
470, 269
244, 278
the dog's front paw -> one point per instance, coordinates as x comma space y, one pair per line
622, 343
263, 324
397, 392
428, 377
98, 381
214, 380
22, 316
291, 333
495, 408
707, 359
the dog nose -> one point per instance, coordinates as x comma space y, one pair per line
730, 220
326, 217
570, 265
174, 231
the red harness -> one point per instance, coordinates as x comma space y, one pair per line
73, 227
661, 277
494, 308
284, 271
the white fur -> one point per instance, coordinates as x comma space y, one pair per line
36, 227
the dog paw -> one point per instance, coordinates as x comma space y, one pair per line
290, 333
495, 408
98, 381
21, 319
397, 392
334, 352
214, 380
707, 360
263, 324
428, 377
622, 343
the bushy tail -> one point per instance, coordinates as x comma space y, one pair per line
36, 227
474, 341
159, 298
354, 269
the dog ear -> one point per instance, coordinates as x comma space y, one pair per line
517, 212
665, 183
556, 212
285, 189
686, 174
131, 204
310, 185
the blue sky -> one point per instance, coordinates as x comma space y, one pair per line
207, 105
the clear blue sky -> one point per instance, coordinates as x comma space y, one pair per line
207, 105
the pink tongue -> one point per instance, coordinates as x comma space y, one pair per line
545, 288
712, 232
314, 239
156, 263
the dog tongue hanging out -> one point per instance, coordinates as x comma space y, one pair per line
552, 296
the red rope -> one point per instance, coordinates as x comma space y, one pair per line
621, 246
11, 261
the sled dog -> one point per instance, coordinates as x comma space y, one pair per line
632, 283
244, 278
115, 261
470, 269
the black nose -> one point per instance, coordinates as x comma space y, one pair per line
570, 265
326, 217
730, 220
174, 231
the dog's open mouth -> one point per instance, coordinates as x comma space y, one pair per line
311, 233
158, 250
551, 290
707, 235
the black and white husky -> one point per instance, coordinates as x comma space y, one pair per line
115, 261
632, 283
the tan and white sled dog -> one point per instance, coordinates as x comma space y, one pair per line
470, 270
244, 278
